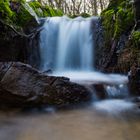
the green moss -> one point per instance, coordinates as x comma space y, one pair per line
23, 17
124, 21
12, 17
108, 23
45, 11
24, 14
118, 18
136, 38
6, 13
37, 8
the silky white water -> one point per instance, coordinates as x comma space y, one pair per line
67, 44
67, 49
75, 45
94, 77
115, 106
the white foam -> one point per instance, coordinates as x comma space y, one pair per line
93, 77
114, 106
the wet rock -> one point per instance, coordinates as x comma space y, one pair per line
11, 100
100, 90
49, 71
4, 68
134, 80
22, 85
135, 99
20, 46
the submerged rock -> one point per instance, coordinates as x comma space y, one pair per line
21, 86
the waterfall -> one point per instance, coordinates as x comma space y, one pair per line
67, 44
67, 49
75, 45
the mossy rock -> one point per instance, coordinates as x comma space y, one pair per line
45, 11
12, 17
84, 15
6, 13
124, 21
118, 18
26, 12
136, 38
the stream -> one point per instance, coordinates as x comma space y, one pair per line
93, 122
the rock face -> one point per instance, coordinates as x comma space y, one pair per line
134, 80
12, 46
120, 50
21, 85
137, 10
121, 32
17, 46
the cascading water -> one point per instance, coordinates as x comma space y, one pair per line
67, 44
75, 47
48, 43
67, 49
118, 91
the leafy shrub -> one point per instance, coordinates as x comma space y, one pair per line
45, 11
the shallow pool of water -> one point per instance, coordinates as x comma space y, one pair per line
89, 123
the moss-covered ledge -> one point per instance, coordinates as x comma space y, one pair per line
118, 22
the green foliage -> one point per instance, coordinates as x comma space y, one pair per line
37, 8
5, 12
52, 12
11, 17
118, 18
24, 15
124, 20
44, 11
136, 38
108, 23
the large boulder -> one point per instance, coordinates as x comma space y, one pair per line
22, 85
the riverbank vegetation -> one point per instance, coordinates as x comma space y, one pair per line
121, 34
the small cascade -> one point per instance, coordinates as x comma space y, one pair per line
117, 91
